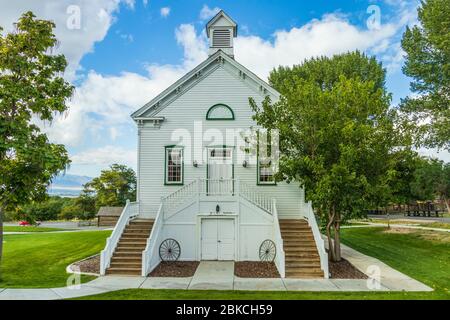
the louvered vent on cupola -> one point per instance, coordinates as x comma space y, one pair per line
221, 30
221, 38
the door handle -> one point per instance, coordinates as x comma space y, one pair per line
219, 241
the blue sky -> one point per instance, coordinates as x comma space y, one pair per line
124, 52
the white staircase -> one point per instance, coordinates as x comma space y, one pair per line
204, 190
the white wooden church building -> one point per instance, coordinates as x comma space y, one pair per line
197, 198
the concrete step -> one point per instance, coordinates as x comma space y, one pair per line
302, 264
132, 242
138, 227
137, 265
127, 255
140, 247
298, 243
294, 224
134, 239
129, 250
306, 259
295, 230
134, 235
116, 258
305, 275
124, 271
136, 231
300, 249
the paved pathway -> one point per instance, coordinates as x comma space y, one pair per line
213, 275
412, 218
394, 225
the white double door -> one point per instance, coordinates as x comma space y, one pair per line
217, 240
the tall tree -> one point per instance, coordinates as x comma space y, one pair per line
427, 48
336, 135
30, 85
114, 186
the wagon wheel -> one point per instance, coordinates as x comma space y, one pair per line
267, 251
169, 250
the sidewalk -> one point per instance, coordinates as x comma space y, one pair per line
407, 226
214, 275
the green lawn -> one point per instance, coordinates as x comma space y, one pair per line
29, 229
39, 260
441, 225
423, 255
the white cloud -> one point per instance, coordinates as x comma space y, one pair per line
165, 11
102, 102
332, 34
105, 156
95, 19
207, 13
107, 101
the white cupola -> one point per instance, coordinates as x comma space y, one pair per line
221, 30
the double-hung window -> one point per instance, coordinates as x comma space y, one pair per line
265, 172
174, 165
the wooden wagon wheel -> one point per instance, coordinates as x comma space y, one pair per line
267, 251
169, 250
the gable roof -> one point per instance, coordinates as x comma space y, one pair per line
221, 14
179, 85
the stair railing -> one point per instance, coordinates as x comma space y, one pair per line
130, 211
177, 198
149, 257
317, 238
214, 187
255, 197
278, 239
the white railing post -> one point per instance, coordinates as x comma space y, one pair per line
129, 211
280, 256
149, 257
198, 195
317, 238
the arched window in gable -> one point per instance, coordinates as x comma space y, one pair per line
220, 112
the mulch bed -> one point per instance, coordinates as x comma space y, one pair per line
91, 265
255, 269
175, 269
344, 270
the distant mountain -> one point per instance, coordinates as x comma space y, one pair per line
68, 185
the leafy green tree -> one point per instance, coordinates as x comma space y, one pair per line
30, 86
427, 48
114, 186
336, 135
431, 180
44, 210
86, 204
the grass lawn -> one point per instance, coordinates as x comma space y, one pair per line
29, 229
39, 260
441, 225
423, 255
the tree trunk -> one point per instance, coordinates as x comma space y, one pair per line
337, 237
330, 240
446, 204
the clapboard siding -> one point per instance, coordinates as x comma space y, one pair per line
223, 85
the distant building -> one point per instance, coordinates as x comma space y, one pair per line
108, 216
